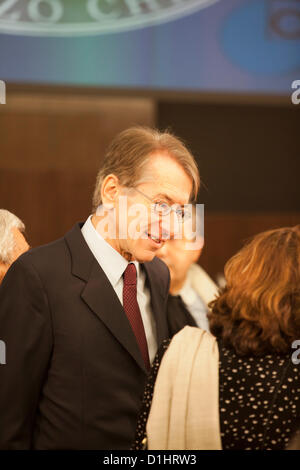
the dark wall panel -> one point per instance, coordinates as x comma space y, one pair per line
226, 233
249, 156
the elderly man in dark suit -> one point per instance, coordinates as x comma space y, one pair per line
82, 317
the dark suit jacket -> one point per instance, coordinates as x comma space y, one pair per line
178, 315
74, 375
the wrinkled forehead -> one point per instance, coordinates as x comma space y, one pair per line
167, 179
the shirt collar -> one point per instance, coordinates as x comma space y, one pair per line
110, 260
187, 293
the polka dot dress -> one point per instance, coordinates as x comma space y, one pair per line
140, 437
258, 400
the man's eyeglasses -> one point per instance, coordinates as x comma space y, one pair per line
163, 208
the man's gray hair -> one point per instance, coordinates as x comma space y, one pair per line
130, 151
8, 221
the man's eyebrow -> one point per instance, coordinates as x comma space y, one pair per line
168, 198
164, 196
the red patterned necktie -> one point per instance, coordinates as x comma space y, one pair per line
132, 311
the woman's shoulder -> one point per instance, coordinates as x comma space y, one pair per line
192, 333
189, 341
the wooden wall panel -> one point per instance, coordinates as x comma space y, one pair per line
226, 232
48, 201
249, 156
51, 147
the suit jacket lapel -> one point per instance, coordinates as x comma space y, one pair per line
99, 294
156, 283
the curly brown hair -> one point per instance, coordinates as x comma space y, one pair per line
258, 312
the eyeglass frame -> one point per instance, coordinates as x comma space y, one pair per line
186, 215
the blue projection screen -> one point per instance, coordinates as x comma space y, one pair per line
244, 46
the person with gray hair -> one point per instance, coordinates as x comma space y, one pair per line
12, 240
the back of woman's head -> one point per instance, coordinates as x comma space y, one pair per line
258, 312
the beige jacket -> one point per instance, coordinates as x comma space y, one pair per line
185, 408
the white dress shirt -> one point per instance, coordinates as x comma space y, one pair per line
114, 265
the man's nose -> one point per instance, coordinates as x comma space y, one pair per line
169, 228
163, 252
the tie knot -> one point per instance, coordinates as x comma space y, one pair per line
130, 275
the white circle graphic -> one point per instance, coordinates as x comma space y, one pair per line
47, 18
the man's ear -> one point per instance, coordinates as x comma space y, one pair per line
110, 189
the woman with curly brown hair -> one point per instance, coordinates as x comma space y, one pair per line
238, 389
